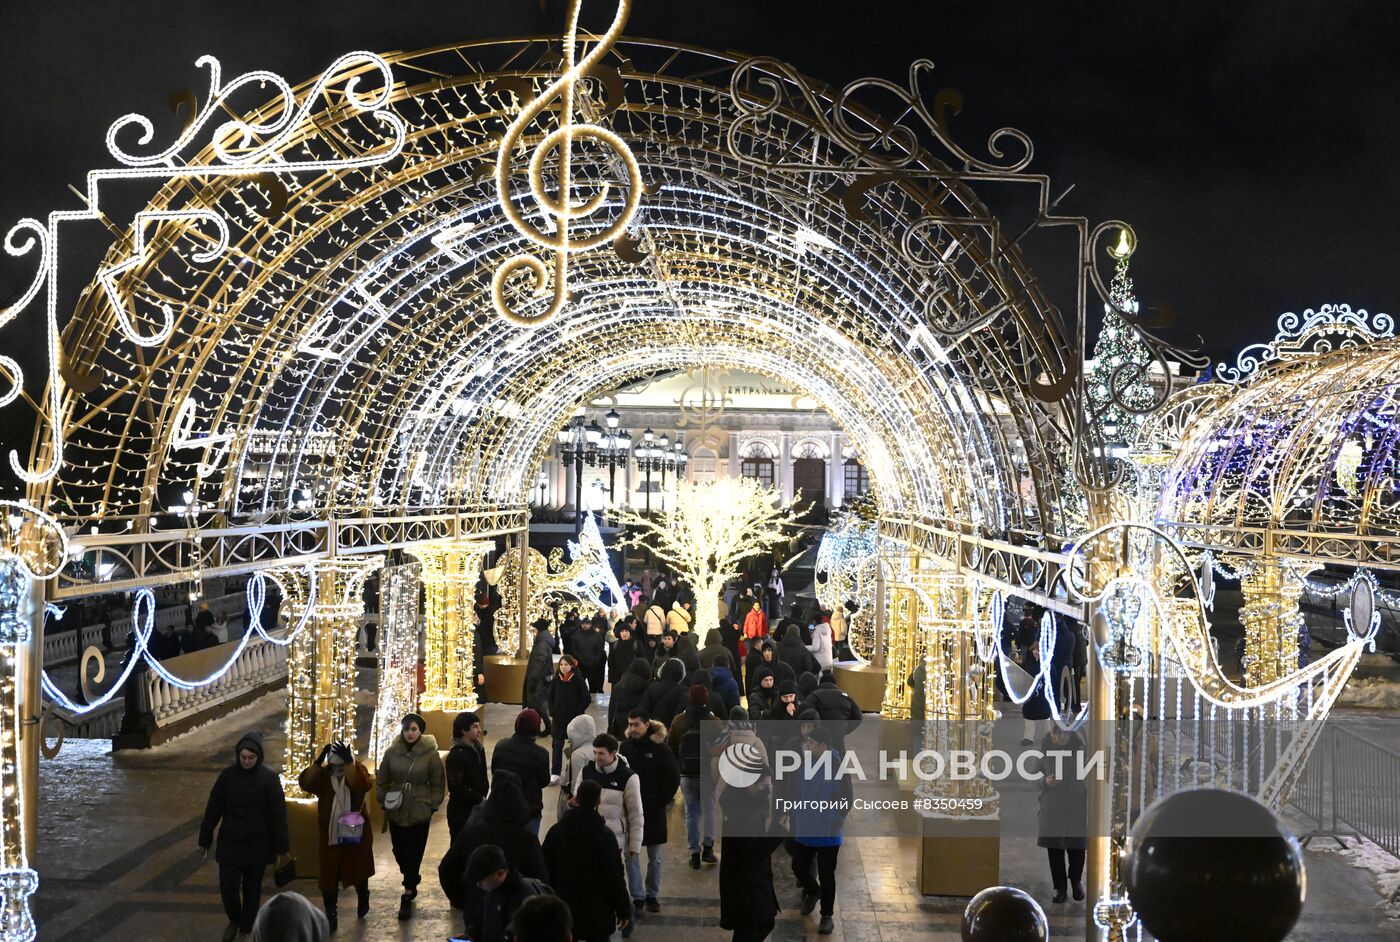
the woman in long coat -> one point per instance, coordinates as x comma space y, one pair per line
1063, 821
411, 768
340, 785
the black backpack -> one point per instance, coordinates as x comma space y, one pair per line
690, 753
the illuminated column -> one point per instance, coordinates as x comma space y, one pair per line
17, 796
902, 644
450, 572
321, 662
397, 682
1271, 620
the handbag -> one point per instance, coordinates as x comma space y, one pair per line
393, 798
285, 873
350, 828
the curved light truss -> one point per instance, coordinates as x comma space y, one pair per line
343, 352
1300, 462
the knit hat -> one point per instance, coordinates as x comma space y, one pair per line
698, 694
540, 624
484, 861
821, 734
414, 718
806, 684
738, 713
786, 687
290, 916
527, 722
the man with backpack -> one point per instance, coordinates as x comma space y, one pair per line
686, 742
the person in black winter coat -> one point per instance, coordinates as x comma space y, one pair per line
498, 892
714, 647
588, 649
687, 652
764, 653
838, 712
627, 694
763, 693
793, 653
521, 755
748, 904
623, 651
465, 766
568, 697
247, 806
656, 768
665, 696
500, 820
537, 672
585, 869
729, 635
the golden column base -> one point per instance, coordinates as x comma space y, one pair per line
962, 857
505, 678
305, 831
863, 683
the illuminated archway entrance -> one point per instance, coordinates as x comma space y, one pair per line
301, 327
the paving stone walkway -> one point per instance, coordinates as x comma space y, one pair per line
118, 861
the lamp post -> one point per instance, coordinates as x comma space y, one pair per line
656, 455
578, 444
644, 463
617, 443
543, 483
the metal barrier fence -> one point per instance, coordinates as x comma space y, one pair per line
1351, 788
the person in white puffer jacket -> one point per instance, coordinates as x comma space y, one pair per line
821, 644
621, 806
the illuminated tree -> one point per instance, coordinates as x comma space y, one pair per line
710, 528
1121, 361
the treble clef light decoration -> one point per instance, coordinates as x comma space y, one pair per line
561, 208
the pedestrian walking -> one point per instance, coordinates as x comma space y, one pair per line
586, 869
537, 672
655, 765
621, 803
465, 767
345, 851
627, 694
748, 903
578, 753
247, 806
503, 820
568, 697
686, 739
410, 786
1063, 819
499, 891
823, 801
623, 650
665, 696
520, 754
590, 652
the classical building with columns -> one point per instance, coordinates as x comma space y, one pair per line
728, 423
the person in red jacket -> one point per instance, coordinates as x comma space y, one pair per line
755, 622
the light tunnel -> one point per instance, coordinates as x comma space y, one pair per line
344, 353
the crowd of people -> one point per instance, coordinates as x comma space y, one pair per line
673, 707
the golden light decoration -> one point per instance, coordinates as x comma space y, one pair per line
450, 572
321, 662
561, 208
707, 531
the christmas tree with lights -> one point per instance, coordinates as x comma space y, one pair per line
1121, 360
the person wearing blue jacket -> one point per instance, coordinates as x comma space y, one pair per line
822, 800
723, 684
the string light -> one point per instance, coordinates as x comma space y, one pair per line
396, 685
449, 575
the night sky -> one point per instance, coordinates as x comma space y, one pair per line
1251, 144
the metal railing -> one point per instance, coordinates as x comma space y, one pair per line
1349, 789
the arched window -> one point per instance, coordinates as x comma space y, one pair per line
857, 478
757, 463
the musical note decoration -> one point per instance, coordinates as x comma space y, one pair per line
560, 207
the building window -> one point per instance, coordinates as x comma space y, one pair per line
757, 463
857, 479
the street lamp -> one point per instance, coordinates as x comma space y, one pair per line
656, 455
543, 483
616, 445
578, 445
